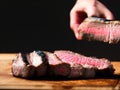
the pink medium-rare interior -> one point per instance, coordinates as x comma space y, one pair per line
57, 65
96, 29
104, 31
74, 58
52, 59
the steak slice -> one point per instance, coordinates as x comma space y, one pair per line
100, 29
77, 71
21, 67
93, 66
29, 65
55, 66
38, 60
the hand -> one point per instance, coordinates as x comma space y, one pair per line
87, 8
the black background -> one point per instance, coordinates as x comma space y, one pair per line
28, 25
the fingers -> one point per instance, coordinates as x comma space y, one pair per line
74, 24
99, 10
74, 20
75, 30
104, 11
87, 8
76, 17
107, 14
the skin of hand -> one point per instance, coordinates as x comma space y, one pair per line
87, 8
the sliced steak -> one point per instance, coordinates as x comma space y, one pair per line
60, 63
21, 67
29, 65
38, 60
56, 67
93, 66
100, 29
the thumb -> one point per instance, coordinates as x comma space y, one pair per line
77, 34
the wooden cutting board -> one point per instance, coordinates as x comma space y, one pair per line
7, 81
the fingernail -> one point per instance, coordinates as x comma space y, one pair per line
78, 36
